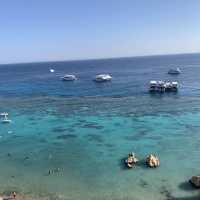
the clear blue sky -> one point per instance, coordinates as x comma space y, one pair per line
43, 30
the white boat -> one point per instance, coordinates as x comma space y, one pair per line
51, 70
175, 86
5, 118
4, 114
174, 71
161, 86
153, 86
69, 77
103, 78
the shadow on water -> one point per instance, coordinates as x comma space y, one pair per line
186, 186
122, 164
186, 198
140, 163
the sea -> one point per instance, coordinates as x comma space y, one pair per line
68, 140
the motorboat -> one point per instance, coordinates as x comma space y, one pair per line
51, 70
5, 118
103, 78
69, 77
175, 86
174, 71
153, 86
161, 86
4, 114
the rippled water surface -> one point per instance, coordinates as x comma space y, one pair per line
70, 139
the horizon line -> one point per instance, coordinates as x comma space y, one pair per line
100, 58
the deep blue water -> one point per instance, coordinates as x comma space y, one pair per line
86, 129
130, 76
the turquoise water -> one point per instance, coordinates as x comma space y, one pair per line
81, 131
87, 139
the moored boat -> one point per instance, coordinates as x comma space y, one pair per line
161, 86
69, 77
174, 71
5, 118
102, 78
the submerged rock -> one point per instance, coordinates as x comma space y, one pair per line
131, 160
195, 181
152, 161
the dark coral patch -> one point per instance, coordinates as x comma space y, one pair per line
117, 124
143, 183
95, 138
58, 129
70, 130
167, 194
136, 136
82, 121
92, 125
43, 140
110, 146
66, 136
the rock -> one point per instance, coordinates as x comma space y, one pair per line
195, 181
152, 161
131, 160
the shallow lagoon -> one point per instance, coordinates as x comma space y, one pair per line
88, 139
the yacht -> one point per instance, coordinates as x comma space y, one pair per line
174, 71
102, 78
69, 77
153, 86
175, 86
5, 118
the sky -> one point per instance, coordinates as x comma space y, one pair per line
53, 30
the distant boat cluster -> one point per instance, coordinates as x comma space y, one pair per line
165, 86
72, 77
98, 78
154, 86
